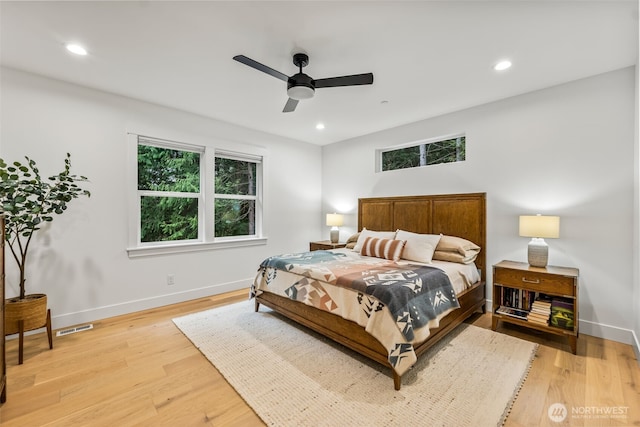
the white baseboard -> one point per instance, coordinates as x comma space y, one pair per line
636, 346
608, 332
91, 315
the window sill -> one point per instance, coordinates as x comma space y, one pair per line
145, 251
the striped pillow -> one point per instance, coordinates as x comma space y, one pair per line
383, 248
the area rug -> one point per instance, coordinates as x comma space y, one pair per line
291, 376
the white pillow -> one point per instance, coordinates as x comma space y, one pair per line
368, 233
419, 247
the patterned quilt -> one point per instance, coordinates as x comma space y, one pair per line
396, 303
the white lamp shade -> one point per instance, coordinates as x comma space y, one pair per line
541, 226
335, 220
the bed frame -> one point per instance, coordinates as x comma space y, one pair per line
462, 215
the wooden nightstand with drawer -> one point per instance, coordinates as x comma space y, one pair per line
545, 299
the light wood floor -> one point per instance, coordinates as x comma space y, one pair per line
139, 369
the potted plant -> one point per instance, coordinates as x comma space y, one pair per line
28, 202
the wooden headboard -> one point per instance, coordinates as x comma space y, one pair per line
461, 215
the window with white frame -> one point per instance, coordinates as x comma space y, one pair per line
195, 194
235, 195
424, 153
169, 192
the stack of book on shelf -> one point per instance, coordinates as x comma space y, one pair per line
540, 310
562, 313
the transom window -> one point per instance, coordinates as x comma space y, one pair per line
195, 194
424, 153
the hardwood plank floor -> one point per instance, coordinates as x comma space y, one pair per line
138, 369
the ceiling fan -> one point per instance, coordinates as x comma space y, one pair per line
301, 86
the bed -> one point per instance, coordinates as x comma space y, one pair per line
458, 215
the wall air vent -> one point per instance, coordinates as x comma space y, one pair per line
74, 330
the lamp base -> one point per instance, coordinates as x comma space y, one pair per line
538, 252
335, 235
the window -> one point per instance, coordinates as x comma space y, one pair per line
169, 191
235, 205
188, 195
424, 153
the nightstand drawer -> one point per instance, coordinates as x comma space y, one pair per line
538, 282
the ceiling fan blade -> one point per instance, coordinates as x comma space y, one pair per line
261, 67
290, 105
353, 80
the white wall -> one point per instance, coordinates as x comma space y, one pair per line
566, 150
81, 260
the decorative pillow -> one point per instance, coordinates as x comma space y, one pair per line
352, 240
457, 244
368, 233
454, 257
419, 247
382, 248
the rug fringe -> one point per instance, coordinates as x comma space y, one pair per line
507, 410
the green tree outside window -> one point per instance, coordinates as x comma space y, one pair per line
172, 214
446, 151
235, 188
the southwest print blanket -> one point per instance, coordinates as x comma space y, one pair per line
392, 301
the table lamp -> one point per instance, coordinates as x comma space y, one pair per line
539, 227
334, 221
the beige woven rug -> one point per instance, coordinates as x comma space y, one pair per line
291, 376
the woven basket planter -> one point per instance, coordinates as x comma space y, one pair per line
32, 309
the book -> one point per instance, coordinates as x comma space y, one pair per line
562, 313
539, 319
538, 316
562, 304
513, 312
541, 304
543, 312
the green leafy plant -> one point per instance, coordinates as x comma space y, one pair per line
28, 202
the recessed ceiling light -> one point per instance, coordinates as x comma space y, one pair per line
76, 48
502, 65
320, 126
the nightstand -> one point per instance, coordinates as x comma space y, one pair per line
521, 292
325, 245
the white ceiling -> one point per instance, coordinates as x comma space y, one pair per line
428, 58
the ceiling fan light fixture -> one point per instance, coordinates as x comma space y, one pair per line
300, 92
